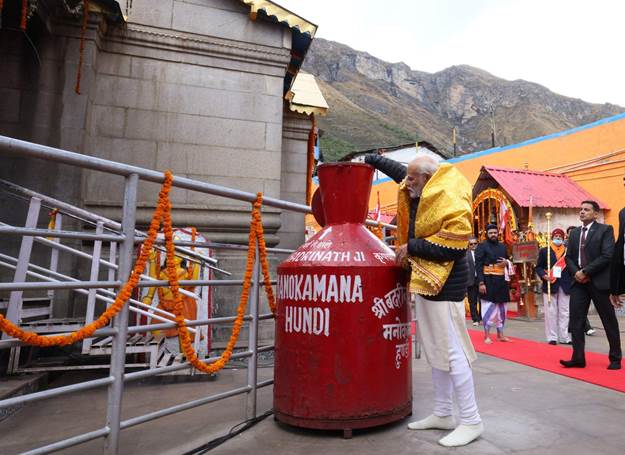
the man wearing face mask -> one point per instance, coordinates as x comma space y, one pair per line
490, 264
556, 310
434, 222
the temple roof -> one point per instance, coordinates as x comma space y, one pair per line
545, 189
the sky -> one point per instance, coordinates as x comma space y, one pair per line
575, 48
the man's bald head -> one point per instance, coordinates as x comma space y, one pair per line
424, 164
419, 171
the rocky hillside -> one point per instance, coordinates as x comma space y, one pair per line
374, 104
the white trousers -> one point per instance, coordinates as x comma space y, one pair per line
557, 317
459, 381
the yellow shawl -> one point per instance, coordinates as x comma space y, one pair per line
444, 217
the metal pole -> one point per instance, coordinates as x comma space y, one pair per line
84, 215
154, 312
14, 311
252, 361
54, 254
29, 286
11, 230
15, 300
95, 272
548, 215
32, 150
118, 354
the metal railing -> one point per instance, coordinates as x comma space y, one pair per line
126, 238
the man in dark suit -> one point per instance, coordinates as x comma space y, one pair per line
617, 267
588, 258
473, 292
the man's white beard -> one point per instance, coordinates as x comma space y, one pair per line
414, 193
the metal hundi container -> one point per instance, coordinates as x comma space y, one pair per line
342, 357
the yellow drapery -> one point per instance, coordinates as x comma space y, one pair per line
443, 218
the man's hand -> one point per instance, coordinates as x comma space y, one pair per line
616, 301
401, 253
581, 277
482, 289
501, 261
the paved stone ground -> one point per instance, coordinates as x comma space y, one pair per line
526, 411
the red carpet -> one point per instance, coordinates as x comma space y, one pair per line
547, 357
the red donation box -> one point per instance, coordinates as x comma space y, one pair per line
342, 356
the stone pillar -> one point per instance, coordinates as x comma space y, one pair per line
293, 178
293, 188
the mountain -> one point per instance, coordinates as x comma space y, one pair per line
374, 104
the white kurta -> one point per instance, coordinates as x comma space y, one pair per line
433, 330
557, 316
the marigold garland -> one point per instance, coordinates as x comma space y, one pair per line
52, 222
163, 213
83, 31
310, 158
34, 339
379, 232
256, 232
24, 14
262, 250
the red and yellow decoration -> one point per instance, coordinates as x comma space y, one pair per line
443, 220
377, 230
163, 213
488, 206
310, 158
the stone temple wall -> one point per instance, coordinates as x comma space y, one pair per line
190, 85
196, 87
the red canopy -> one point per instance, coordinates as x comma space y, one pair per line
546, 189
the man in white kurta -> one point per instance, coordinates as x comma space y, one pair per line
434, 223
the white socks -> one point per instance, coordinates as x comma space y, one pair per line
433, 422
462, 435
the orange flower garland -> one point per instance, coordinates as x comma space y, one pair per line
262, 250
310, 158
34, 339
163, 213
379, 232
83, 30
256, 232
24, 14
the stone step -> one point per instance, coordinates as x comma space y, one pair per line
14, 386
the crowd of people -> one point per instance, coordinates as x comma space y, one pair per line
556, 295
582, 263
434, 241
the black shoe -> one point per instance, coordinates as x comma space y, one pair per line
553, 342
614, 366
572, 364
